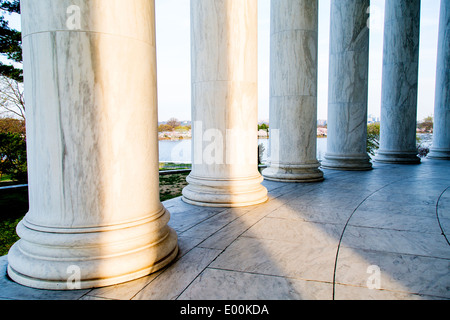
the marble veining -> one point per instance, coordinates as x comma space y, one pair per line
441, 133
348, 87
101, 16
224, 105
285, 250
91, 81
293, 92
400, 83
92, 147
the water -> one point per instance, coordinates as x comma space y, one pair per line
180, 151
425, 139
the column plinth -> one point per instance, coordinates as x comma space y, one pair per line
399, 157
95, 217
294, 173
347, 162
224, 192
439, 154
50, 258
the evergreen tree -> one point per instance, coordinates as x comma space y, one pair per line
10, 41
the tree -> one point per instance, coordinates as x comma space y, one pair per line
10, 125
12, 102
426, 125
182, 128
10, 42
164, 128
11, 74
264, 127
373, 138
13, 156
173, 122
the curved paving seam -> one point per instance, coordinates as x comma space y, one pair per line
345, 227
437, 215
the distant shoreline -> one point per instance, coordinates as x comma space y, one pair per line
182, 137
190, 138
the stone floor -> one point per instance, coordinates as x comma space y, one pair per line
329, 240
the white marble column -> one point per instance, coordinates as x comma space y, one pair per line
441, 135
95, 216
348, 86
224, 105
400, 83
293, 92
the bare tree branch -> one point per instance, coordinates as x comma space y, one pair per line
12, 100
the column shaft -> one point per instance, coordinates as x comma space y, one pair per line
293, 92
348, 86
441, 135
224, 105
95, 215
400, 83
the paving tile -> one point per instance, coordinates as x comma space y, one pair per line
13, 291
186, 244
306, 233
91, 298
177, 202
181, 220
273, 185
286, 248
419, 199
414, 188
292, 191
398, 272
335, 201
279, 258
175, 279
225, 236
213, 224
408, 242
128, 290
445, 225
124, 291
398, 208
395, 221
312, 213
343, 292
443, 207
216, 284
358, 185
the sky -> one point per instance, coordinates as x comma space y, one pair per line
173, 54
173, 45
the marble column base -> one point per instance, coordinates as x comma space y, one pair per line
347, 162
439, 154
397, 157
294, 173
48, 258
224, 192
